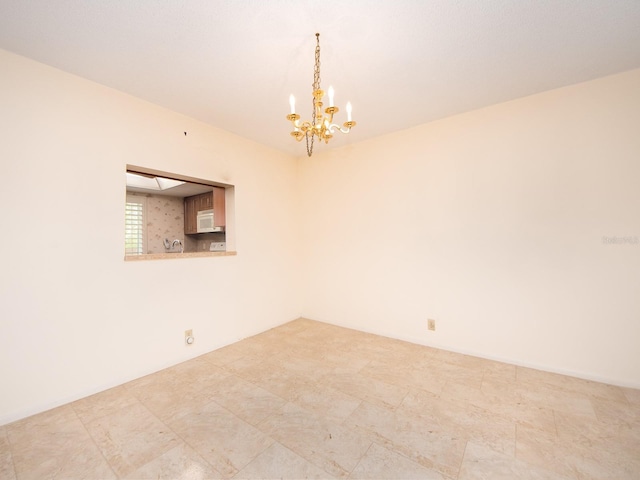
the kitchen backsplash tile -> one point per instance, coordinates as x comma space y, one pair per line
164, 219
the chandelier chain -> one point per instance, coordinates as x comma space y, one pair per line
321, 124
316, 86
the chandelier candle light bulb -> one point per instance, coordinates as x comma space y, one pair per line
321, 124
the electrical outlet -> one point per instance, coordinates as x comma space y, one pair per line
188, 337
431, 324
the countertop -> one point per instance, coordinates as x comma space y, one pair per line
168, 256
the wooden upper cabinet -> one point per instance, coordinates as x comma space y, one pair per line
219, 218
191, 215
206, 201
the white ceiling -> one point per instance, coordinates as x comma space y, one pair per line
401, 63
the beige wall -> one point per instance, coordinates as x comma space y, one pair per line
75, 318
491, 223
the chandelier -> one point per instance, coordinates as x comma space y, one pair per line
321, 124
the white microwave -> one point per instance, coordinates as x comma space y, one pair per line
206, 222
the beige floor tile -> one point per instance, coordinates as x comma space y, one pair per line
435, 373
366, 347
221, 438
131, 437
543, 451
366, 388
103, 403
606, 450
383, 464
325, 401
424, 441
196, 373
465, 361
617, 413
503, 399
612, 458
505, 389
482, 463
632, 395
486, 428
602, 466
180, 389
459, 392
177, 376
501, 372
554, 398
471, 377
278, 462
577, 429
6, 460
331, 447
398, 354
169, 403
248, 401
42, 424
353, 366
200, 365
405, 376
479, 425
299, 364
607, 459
55, 444
596, 390
338, 402
531, 375
571, 384
181, 462
631, 433
248, 366
280, 382
339, 361
407, 351
434, 409
226, 355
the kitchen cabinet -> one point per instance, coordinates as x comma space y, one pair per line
191, 205
213, 200
219, 207
205, 201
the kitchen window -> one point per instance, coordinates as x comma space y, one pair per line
166, 216
134, 226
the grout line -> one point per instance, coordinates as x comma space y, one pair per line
360, 459
13, 463
93, 440
464, 453
555, 422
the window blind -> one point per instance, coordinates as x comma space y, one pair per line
134, 226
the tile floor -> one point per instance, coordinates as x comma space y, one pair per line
311, 400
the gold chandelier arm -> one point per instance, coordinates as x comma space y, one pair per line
321, 124
347, 127
293, 118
